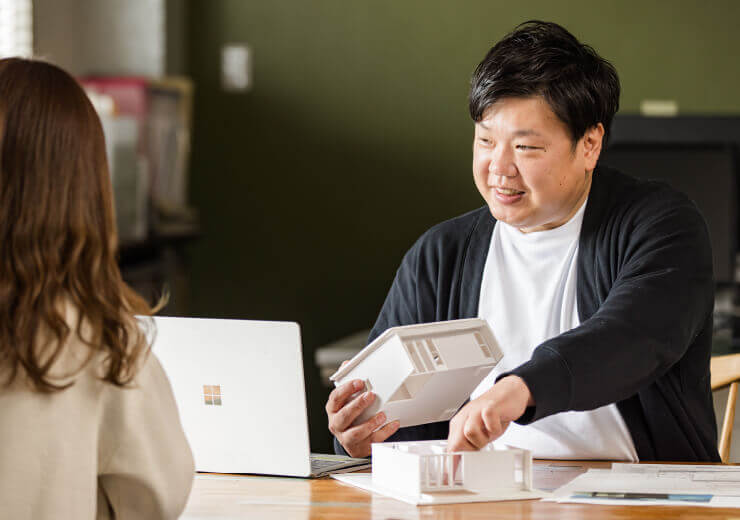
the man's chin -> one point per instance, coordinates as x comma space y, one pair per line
507, 217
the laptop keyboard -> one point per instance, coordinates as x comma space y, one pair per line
319, 464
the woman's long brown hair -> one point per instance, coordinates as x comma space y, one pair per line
58, 239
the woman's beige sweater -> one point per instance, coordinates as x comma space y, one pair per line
93, 450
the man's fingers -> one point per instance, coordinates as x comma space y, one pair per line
492, 423
357, 440
475, 432
385, 432
341, 394
344, 418
363, 431
457, 442
460, 444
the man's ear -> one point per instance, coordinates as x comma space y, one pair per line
592, 141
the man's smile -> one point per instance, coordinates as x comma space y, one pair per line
508, 191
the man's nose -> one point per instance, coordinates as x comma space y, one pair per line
501, 165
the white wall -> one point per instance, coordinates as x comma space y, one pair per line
116, 37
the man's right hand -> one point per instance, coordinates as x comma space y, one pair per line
342, 412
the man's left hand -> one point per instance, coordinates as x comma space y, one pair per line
486, 418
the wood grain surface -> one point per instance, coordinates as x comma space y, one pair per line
258, 497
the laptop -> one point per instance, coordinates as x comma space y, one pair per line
240, 392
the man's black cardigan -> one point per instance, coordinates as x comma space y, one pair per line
645, 297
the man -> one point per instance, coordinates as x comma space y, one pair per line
597, 286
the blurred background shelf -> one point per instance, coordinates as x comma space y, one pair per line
160, 264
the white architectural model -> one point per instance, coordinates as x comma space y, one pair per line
423, 373
424, 473
412, 468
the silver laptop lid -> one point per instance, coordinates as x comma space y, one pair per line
240, 392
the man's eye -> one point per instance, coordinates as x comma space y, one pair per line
525, 147
483, 140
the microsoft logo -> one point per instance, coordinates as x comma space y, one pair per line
212, 395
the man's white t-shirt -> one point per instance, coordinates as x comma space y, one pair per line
528, 295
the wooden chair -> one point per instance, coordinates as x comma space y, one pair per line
726, 371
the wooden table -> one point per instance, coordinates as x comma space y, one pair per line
235, 496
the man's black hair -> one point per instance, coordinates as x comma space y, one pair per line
544, 59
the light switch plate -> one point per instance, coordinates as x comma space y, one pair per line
236, 67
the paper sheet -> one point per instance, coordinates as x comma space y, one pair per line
365, 481
552, 475
720, 483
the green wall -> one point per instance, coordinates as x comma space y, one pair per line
356, 137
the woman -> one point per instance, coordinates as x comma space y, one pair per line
88, 424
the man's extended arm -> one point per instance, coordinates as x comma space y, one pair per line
657, 305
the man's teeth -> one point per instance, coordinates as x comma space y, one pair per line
508, 191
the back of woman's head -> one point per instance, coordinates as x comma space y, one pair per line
57, 230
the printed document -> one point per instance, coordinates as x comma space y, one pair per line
655, 484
